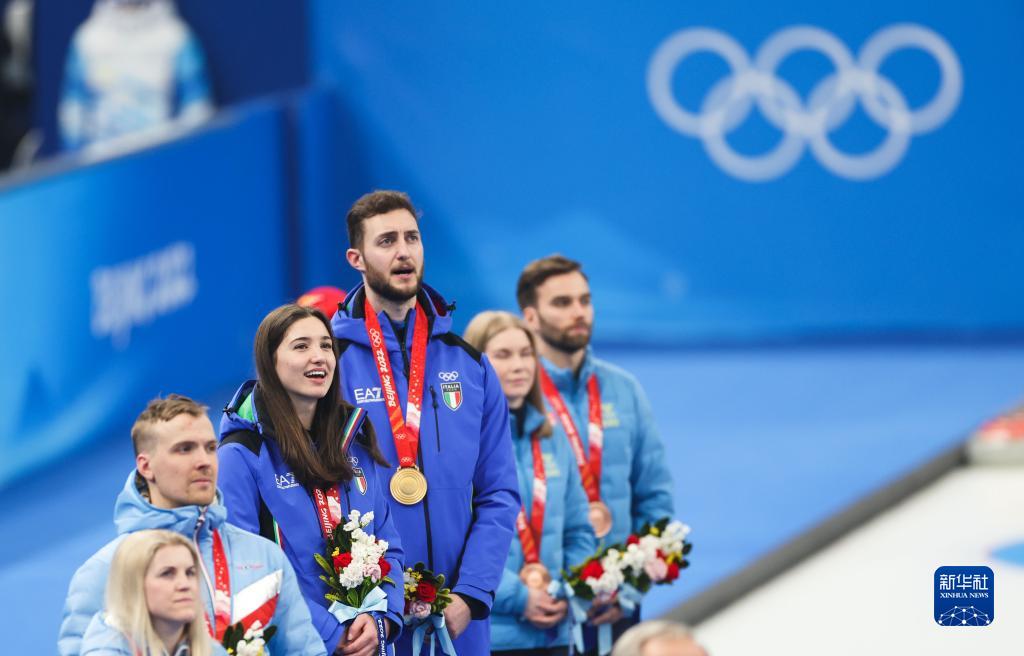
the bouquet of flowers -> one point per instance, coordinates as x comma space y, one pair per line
655, 554
239, 641
354, 569
599, 578
425, 601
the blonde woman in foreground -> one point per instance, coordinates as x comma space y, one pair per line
153, 605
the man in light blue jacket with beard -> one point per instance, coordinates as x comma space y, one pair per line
174, 487
599, 405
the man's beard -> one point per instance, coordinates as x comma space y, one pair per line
378, 282
562, 340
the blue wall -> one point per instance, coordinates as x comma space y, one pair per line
133, 277
531, 124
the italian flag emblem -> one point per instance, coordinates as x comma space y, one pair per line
452, 394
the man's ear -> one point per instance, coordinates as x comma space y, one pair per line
531, 317
355, 260
143, 465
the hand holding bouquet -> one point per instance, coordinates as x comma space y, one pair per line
425, 601
354, 569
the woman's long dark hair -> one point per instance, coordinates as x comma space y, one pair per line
321, 462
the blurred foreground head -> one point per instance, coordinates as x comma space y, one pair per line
658, 638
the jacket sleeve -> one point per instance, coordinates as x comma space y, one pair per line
495, 500
239, 491
578, 540
649, 479
512, 593
384, 527
84, 600
295, 633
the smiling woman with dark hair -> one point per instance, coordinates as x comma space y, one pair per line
293, 454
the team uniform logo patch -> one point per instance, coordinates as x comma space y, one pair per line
452, 395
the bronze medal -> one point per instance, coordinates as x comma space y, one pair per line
535, 575
600, 518
408, 486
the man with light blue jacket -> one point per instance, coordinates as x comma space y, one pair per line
174, 487
600, 406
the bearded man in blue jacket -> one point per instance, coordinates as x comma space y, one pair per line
439, 412
174, 487
603, 405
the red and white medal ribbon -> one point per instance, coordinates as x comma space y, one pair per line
530, 533
328, 509
590, 468
406, 433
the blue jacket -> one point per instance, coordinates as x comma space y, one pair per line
253, 562
258, 485
101, 639
465, 524
567, 540
635, 480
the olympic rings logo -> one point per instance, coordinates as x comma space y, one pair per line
448, 376
830, 103
375, 338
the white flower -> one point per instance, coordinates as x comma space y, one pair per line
367, 518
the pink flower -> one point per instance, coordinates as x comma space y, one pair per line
657, 569
419, 609
372, 570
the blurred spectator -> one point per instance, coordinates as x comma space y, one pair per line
15, 78
155, 571
133, 66
658, 638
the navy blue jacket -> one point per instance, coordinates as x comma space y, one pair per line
259, 488
465, 525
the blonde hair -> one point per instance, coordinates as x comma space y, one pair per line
127, 610
482, 329
632, 641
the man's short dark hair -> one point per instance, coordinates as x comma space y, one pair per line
369, 205
159, 410
536, 272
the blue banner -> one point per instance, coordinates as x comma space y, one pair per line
136, 276
724, 170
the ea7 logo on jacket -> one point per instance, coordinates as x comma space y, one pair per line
452, 394
285, 481
365, 395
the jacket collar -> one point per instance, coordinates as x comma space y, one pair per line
564, 379
133, 512
349, 322
532, 420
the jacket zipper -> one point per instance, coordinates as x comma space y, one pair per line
437, 426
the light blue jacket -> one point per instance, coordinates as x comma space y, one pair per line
250, 557
567, 540
635, 480
101, 639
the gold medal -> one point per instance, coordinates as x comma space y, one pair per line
600, 518
408, 486
535, 575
